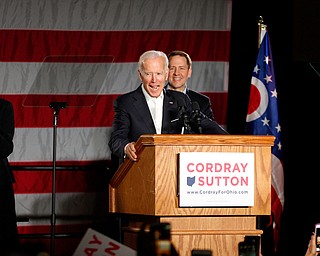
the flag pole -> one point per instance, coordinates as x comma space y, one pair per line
261, 26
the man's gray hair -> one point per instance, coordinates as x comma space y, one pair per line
153, 54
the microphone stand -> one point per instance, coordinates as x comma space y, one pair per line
56, 106
196, 116
186, 124
198, 121
183, 115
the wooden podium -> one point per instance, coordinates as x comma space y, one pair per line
146, 190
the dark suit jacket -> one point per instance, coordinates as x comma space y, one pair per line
132, 119
8, 222
203, 101
6, 135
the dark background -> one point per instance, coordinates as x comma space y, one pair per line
294, 34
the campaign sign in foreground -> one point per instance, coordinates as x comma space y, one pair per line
216, 179
96, 244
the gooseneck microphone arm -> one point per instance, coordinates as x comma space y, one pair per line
183, 116
196, 116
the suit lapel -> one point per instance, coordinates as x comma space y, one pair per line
170, 120
142, 109
168, 104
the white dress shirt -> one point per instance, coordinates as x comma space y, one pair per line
156, 108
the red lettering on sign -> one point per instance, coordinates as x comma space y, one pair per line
95, 240
90, 251
113, 247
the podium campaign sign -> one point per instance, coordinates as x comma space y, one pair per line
216, 179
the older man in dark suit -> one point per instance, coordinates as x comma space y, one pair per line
150, 109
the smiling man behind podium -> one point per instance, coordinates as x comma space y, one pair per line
180, 70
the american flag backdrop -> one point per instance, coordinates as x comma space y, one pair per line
263, 119
85, 53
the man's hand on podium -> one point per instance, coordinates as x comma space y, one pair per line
130, 151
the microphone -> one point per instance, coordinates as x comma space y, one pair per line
183, 116
196, 115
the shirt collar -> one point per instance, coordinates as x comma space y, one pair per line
184, 91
